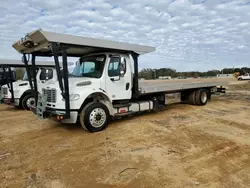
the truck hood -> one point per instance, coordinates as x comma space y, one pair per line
25, 82
76, 82
19, 82
82, 81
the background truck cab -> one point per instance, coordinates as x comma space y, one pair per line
23, 96
4, 76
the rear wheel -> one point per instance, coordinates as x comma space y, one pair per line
94, 117
29, 102
201, 97
192, 97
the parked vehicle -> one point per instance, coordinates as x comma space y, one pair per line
4, 75
244, 77
4, 78
104, 84
23, 96
19, 93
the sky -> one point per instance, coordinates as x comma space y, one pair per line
188, 34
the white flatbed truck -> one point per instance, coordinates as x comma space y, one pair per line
104, 84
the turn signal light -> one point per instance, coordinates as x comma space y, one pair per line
59, 117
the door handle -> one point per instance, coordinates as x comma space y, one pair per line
113, 79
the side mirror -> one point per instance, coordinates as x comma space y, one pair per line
122, 66
122, 73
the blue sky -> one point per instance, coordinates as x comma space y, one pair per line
188, 34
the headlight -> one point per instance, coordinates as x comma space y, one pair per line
73, 97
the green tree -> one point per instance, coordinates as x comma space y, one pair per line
19, 73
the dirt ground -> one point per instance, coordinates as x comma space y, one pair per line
182, 146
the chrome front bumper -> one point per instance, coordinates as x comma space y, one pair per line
44, 112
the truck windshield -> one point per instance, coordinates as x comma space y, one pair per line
25, 75
90, 66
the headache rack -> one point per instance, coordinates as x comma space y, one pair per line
44, 43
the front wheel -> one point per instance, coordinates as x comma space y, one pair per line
94, 117
239, 79
29, 102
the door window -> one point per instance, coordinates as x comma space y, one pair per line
46, 74
87, 67
113, 69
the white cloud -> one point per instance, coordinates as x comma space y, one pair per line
188, 34
243, 24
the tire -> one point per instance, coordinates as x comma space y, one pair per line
240, 79
192, 97
201, 97
27, 100
94, 117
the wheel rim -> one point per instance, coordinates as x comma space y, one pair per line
97, 117
31, 102
203, 97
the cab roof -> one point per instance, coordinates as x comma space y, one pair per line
39, 43
19, 63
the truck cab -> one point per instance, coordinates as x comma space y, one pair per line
4, 76
104, 75
103, 71
4, 80
23, 96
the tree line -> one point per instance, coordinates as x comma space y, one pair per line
148, 73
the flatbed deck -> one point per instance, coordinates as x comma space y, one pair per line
154, 86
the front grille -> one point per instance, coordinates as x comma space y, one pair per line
5, 90
51, 95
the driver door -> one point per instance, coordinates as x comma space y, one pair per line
118, 82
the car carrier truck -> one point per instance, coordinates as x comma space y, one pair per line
23, 96
105, 83
4, 75
19, 93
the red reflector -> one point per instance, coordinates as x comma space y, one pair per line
122, 110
